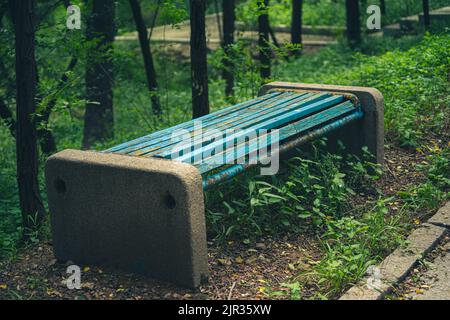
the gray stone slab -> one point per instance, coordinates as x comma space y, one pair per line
397, 265
367, 132
138, 214
442, 217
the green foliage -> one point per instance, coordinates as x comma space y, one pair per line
414, 82
438, 169
315, 189
425, 197
330, 12
352, 244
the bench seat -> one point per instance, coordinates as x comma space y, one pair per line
294, 113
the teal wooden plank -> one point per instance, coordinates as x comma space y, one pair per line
232, 171
163, 146
247, 148
272, 123
185, 125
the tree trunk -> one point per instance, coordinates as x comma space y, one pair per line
99, 117
199, 67
296, 25
353, 22
147, 55
46, 138
426, 14
23, 15
263, 39
383, 6
229, 17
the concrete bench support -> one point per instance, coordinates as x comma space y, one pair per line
138, 214
367, 132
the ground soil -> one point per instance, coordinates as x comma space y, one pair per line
237, 270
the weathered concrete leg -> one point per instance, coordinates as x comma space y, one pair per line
367, 132
138, 214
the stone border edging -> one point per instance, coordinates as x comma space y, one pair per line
398, 264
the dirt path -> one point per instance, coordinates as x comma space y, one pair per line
180, 34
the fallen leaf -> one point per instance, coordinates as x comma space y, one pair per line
239, 260
3, 286
224, 262
87, 285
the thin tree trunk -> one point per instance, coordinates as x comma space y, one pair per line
263, 39
229, 17
426, 14
199, 66
153, 23
219, 24
383, 6
23, 15
147, 55
99, 116
46, 138
353, 22
296, 24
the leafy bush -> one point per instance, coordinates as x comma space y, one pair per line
351, 245
314, 189
414, 83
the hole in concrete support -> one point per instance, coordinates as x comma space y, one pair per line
60, 185
169, 201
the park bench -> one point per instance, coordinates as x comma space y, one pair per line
139, 206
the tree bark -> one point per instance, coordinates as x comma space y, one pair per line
199, 67
23, 16
296, 25
147, 55
99, 115
383, 6
353, 22
426, 14
263, 39
229, 18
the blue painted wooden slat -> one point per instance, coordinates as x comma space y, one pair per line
286, 132
152, 143
246, 122
160, 146
184, 125
273, 122
234, 170
219, 123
